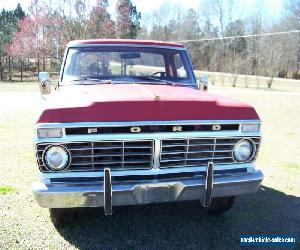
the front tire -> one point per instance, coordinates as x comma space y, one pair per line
220, 205
60, 215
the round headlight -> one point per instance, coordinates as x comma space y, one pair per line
243, 150
56, 158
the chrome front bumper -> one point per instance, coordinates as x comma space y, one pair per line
67, 195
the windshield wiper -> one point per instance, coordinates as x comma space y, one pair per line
159, 80
91, 81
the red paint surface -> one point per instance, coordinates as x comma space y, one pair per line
125, 41
127, 102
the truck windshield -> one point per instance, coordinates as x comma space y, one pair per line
127, 64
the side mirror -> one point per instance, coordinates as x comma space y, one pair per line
203, 83
45, 83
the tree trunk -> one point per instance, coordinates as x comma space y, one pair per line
21, 69
9, 69
38, 66
1, 69
298, 58
44, 64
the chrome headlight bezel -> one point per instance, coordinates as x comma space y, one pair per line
66, 161
252, 150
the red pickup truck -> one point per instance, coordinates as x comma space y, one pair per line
129, 124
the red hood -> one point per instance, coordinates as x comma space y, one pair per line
127, 102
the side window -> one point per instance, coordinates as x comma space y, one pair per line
181, 72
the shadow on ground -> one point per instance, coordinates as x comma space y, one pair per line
184, 225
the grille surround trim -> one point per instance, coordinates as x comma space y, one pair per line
151, 129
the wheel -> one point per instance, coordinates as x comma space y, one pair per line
60, 215
220, 205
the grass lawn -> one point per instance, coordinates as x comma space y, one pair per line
5, 189
274, 209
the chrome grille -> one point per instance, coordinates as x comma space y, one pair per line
87, 156
139, 154
199, 151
